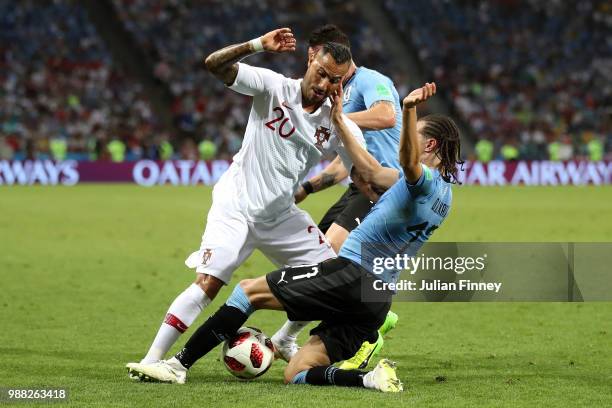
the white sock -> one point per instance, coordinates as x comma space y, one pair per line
289, 331
181, 314
368, 380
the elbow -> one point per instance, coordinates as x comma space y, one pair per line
209, 63
390, 121
368, 174
404, 165
384, 122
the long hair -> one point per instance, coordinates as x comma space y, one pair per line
446, 133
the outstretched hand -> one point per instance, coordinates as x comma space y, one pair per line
420, 95
280, 40
336, 100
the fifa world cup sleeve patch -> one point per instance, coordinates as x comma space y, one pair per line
423, 184
427, 171
383, 90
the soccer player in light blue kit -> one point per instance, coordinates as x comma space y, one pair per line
416, 203
372, 102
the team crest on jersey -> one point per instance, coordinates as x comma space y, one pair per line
321, 136
206, 255
347, 94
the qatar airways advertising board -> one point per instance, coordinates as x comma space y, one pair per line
187, 172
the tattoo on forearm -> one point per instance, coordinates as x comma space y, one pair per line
322, 181
327, 180
222, 63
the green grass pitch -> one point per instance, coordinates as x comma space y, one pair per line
89, 271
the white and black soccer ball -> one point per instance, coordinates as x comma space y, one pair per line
248, 354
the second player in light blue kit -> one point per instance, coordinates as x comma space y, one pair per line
363, 90
372, 102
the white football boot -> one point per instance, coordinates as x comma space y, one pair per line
383, 377
165, 371
284, 348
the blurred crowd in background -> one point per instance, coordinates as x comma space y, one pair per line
530, 79
60, 91
178, 35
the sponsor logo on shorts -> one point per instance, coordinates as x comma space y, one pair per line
282, 279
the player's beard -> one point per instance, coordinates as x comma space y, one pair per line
316, 99
309, 96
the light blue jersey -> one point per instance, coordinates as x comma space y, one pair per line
362, 90
400, 222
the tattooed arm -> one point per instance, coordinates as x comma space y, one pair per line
334, 173
223, 63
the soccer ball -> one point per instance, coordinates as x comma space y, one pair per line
248, 354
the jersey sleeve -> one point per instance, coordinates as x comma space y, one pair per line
375, 90
424, 185
339, 147
254, 80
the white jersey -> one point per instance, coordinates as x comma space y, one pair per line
282, 143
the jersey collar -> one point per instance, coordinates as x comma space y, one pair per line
349, 79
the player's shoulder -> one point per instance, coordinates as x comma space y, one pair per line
433, 175
427, 185
292, 87
272, 77
373, 82
440, 185
371, 74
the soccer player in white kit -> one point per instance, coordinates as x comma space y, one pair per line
289, 131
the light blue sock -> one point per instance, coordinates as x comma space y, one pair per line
240, 301
300, 378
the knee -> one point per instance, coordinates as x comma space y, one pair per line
295, 367
335, 241
253, 292
296, 376
289, 374
209, 284
247, 287
336, 244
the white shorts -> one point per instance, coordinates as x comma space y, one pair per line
229, 239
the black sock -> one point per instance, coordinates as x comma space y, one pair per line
219, 327
330, 375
